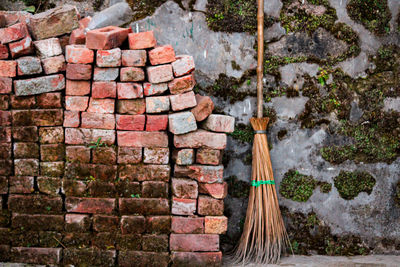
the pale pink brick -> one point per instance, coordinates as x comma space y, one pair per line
196, 258
160, 74
129, 90
76, 103
182, 101
194, 242
201, 138
79, 136
108, 58
105, 105
182, 84
216, 190
183, 65
54, 64
8, 68
130, 122
104, 89
98, 121
181, 206
219, 123
184, 188
5, 85
71, 118
187, 225
156, 155
134, 58
161, 55
48, 48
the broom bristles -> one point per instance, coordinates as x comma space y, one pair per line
264, 234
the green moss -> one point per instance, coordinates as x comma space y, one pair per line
350, 184
297, 186
235, 66
397, 194
325, 187
237, 188
248, 159
243, 133
272, 63
373, 14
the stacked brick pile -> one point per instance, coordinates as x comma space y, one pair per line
108, 157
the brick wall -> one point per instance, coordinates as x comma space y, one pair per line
108, 157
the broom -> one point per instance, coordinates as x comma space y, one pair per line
264, 235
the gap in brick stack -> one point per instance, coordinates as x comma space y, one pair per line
108, 157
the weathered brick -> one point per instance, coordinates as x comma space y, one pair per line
89, 257
13, 33
3, 51
134, 58
101, 189
105, 74
26, 167
76, 103
133, 224
5, 151
75, 188
196, 258
54, 22
23, 102
39, 85
108, 58
101, 105
35, 204
127, 189
71, 118
202, 173
181, 122
53, 65
129, 242
21, 184
210, 206
104, 89
38, 222
141, 40
182, 101
184, 188
5, 85
209, 156
29, 66
98, 120
26, 150
201, 138
157, 104
158, 224
52, 152
144, 206
182, 206
48, 185
105, 223
51, 135
129, 90
194, 242
77, 136
187, 225
144, 172
156, 155
79, 71
183, 65
77, 240
161, 55
132, 106
77, 222
143, 258
52, 169
49, 100
104, 155
5, 135
156, 123
131, 74
182, 84
157, 243
90, 205
215, 224
77, 37
48, 48
142, 139
5, 167
105, 173
154, 189
78, 54
216, 190
78, 154
129, 155
154, 89
106, 38
25, 134
4, 185
130, 122
8, 68
36, 255
21, 48
5, 118
183, 156
78, 88
160, 74
219, 123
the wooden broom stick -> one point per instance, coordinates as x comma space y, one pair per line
260, 57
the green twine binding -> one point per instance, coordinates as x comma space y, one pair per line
258, 183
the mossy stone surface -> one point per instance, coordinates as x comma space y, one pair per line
297, 186
350, 184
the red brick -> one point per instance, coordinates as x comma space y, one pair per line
78, 88
216, 190
84, 23
13, 33
78, 54
77, 222
52, 152
157, 155
184, 188
49, 100
160, 74
79, 71
78, 154
22, 134
5, 85
5, 135
36, 255
23, 102
183, 156
219, 123
34, 221
51, 135
158, 224
182, 101
134, 58
5, 151
156, 123
182, 84
142, 139
130, 122
8, 68
38, 117
183, 65
98, 120
26, 150
131, 74
142, 258
183, 206
91, 256
187, 225
194, 242
49, 186
215, 224
4, 102
101, 105
54, 64
209, 156
133, 106
5, 167
52, 169
200, 138
141, 40
144, 206
35, 204
105, 223
144, 172
106, 38
161, 55
21, 48
108, 58
154, 189
71, 118
154, 89
90, 205
104, 89
5, 118
133, 224
79, 136
104, 155
128, 155
77, 37
196, 258
204, 107
157, 104
129, 90
76, 103
21, 184
210, 206
4, 51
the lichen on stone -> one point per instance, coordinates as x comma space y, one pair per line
350, 184
297, 186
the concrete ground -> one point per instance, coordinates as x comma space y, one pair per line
329, 261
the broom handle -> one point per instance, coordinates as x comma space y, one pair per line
260, 57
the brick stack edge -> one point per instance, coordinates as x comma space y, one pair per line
107, 156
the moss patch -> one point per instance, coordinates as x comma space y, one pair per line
350, 184
237, 188
325, 187
297, 186
373, 14
243, 133
397, 194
